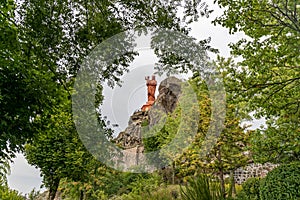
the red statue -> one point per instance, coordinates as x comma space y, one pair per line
151, 87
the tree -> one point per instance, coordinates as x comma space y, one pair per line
5, 192
59, 55
23, 88
278, 143
62, 158
228, 152
43, 43
57, 151
270, 64
267, 77
42, 46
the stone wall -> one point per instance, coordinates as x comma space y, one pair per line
252, 170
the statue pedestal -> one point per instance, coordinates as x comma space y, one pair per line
147, 106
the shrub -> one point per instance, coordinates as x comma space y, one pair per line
138, 185
201, 188
34, 194
170, 192
7, 194
250, 189
238, 188
282, 183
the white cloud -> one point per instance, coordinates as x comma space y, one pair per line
24, 177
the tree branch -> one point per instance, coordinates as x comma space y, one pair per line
280, 88
286, 15
264, 85
7, 17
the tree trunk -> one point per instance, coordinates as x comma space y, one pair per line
233, 184
221, 173
81, 195
222, 183
232, 191
173, 173
53, 189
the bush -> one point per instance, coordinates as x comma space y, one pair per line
170, 192
145, 184
201, 188
250, 189
7, 194
282, 183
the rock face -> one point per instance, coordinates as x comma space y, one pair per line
169, 92
131, 138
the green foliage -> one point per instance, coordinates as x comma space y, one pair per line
162, 138
279, 143
144, 184
43, 43
139, 186
26, 88
169, 192
238, 194
34, 194
269, 70
8, 194
57, 150
250, 189
4, 171
105, 183
41, 50
282, 183
145, 123
228, 147
81, 190
267, 76
201, 187
5, 192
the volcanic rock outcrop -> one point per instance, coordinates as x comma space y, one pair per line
130, 140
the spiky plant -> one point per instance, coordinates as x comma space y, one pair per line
201, 187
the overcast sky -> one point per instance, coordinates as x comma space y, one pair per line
133, 94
